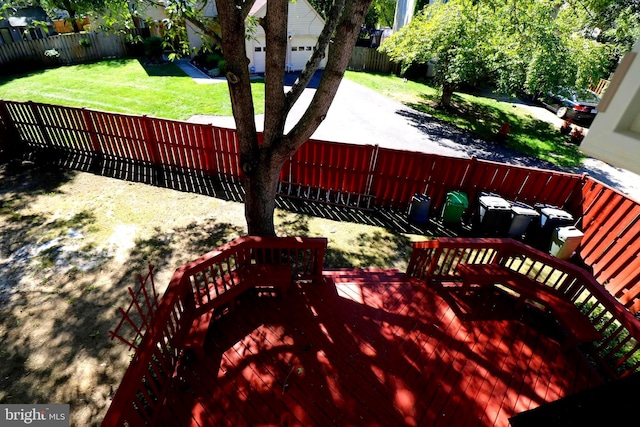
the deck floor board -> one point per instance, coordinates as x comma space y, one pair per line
374, 348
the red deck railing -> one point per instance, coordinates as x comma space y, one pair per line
618, 353
364, 176
146, 381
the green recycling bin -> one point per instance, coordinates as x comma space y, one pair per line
454, 205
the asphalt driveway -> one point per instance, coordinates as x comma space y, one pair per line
359, 115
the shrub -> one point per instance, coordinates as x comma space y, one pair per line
222, 66
85, 42
212, 59
153, 48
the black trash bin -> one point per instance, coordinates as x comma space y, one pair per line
551, 217
419, 209
493, 216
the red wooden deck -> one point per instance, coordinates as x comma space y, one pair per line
374, 348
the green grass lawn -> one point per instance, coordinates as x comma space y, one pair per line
479, 115
125, 86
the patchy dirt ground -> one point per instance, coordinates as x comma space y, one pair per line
72, 242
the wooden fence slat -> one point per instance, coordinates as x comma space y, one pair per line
608, 233
626, 242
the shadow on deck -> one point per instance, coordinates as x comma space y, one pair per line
374, 347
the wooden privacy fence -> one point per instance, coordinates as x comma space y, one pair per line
611, 243
618, 352
148, 377
600, 88
98, 46
369, 59
360, 176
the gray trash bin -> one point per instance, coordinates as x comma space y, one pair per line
494, 215
419, 209
521, 216
564, 241
551, 217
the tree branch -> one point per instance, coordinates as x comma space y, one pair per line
340, 50
275, 27
246, 6
317, 56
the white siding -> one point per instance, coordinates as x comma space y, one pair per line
193, 33
614, 136
304, 27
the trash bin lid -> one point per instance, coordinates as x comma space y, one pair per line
457, 198
554, 213
565, 233
494, 202
524, 211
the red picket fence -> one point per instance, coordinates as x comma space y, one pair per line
361, 176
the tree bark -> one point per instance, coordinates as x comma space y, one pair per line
261, 164
260, 187
447, 94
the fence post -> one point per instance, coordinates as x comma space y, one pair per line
373, 162
10, 141
152, 148
98, 158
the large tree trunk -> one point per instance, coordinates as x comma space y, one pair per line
260, 187
447, 94
261, 164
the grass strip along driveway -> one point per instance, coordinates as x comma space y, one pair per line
124, 86
128, 86
481, 116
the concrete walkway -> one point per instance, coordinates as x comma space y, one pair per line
359, 115
197, 75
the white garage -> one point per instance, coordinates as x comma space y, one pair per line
304, 27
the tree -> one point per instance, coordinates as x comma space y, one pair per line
457, 34
529, 46
261, 162
540, 47
75, 8
385, 12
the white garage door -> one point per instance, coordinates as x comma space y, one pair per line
300, 49
258, 62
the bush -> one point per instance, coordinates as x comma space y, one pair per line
212, 59
85, 42
222, 66
153, 48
